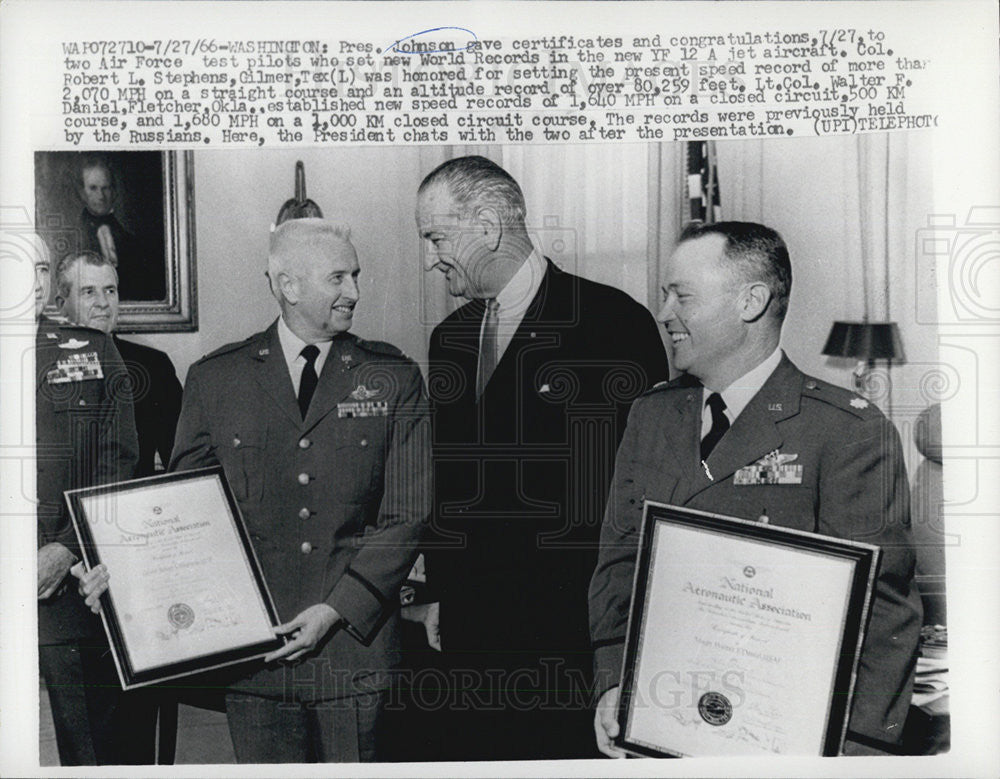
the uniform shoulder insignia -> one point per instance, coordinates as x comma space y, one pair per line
379, 347
660, 386
839, 397
229, 348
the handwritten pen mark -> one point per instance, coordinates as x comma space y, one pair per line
395, 47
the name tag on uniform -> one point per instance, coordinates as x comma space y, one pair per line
363, 408
774, 468
76, 367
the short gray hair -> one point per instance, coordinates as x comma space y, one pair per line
294, 237
477, 182
65, 266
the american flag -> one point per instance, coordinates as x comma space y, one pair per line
702, 183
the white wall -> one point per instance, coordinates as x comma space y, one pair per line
808, 189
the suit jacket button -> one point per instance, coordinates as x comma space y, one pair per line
303, 479
304, 513
304, 443
306, 547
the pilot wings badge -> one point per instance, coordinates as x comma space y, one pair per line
773, 468
361, 392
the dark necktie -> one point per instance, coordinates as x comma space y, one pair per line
720, 424
307, 386
488, 351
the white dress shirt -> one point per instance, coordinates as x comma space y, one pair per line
514, 300
740, 392
292, 346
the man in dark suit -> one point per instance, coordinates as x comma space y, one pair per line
141, 276
87, 294
85, 435
741, 403
325, 440
530, 383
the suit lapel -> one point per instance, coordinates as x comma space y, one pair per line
271, 372
755, 432
336, 380
544, 310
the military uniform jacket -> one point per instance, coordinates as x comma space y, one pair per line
522, 472
853, 486
84, 436
334, 504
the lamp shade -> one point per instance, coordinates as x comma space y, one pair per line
864, 341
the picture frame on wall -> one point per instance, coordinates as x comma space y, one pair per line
135, 208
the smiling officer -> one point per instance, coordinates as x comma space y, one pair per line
745, 433
324, 438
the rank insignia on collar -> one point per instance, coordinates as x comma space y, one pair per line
263, 352
52, 336
72, 343
346, 359
859, 403
361, 392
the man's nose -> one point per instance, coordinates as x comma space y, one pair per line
430, 258
101, 299
350, 290
666, 313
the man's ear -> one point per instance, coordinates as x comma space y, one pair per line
488, 219
60, 301
754, 301
289, 287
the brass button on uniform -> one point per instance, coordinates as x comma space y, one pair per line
83, 402
364, 442
236, 441
303, 478
304, 443
304, 513
306, 547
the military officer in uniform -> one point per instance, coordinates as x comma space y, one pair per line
741, 403
87, 294
324, 439
85, 435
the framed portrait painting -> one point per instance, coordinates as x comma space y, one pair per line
136, 209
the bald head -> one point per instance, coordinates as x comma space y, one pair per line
313, 270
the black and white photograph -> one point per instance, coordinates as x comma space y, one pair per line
134, 210
528, 452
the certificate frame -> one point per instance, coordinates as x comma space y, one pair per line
130, 673
731, 536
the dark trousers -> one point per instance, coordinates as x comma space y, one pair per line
476, 706
96, 723
268, 730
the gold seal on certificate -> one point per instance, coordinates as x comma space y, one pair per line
186, 592
743, 637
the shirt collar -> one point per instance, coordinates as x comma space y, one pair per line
518, 293
738, 394
292, 345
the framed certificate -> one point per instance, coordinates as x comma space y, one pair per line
186, 593
743, 637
